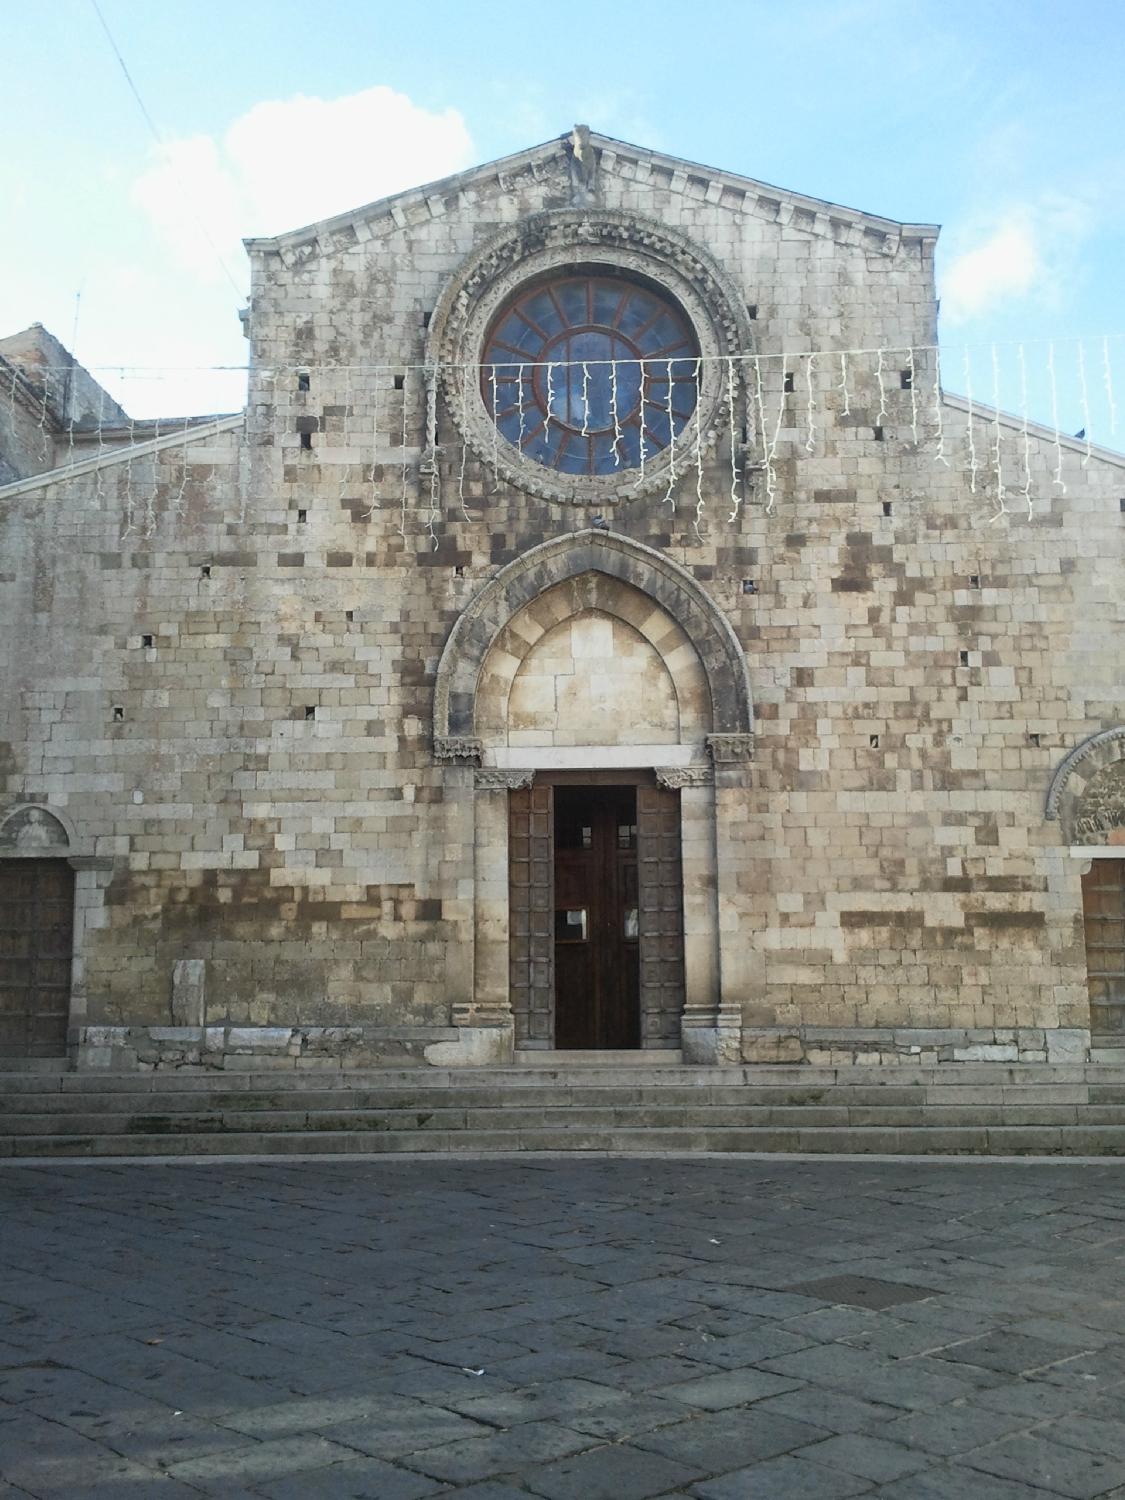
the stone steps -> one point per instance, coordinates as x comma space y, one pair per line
870, 1140
569, 1095
574, 1105
500, 1117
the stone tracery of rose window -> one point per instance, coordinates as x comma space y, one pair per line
588, 373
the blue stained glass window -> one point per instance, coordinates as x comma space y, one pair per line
576, 373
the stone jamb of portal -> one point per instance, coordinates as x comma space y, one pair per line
92, 873
603, 240
1073, 776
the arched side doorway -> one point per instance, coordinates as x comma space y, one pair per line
592, 708
50, 895
1087, 797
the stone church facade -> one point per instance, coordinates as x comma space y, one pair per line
598, 632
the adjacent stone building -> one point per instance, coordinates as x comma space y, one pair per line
599, 631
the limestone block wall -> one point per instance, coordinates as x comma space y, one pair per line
587, 679
267, 615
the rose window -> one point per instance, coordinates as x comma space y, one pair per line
588, 374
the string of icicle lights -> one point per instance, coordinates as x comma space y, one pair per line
388, 415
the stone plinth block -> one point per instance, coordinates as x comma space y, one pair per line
189, 997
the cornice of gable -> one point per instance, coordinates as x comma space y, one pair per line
178, 437
1013, 423
740, 194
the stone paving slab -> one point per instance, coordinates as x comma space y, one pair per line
652, 1329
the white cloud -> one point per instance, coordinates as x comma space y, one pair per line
1024, 250
1005, 265
289, 162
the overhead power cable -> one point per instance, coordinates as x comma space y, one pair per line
159, 139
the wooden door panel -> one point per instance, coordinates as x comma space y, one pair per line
531, 906
596, 963
661, 915
624, 992
36, 936
1103, 906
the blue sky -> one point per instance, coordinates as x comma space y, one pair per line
999, 119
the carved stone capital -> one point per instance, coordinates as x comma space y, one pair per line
458, 747
495, 780
731, 749
675, 777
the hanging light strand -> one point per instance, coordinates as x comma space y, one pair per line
1025, 436
402, 453
698, 450
1107, 381
971, 433
810, 405
461, 467
670, 495
1085, 399
735, 497
997, 447
432, 458
1058, 479
374, 446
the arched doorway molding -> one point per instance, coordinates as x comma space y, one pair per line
36, 831
535, 629
572, 570
1085, 795
557, 561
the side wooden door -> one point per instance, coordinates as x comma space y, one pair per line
36, 934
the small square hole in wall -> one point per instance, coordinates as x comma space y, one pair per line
425, 320
303, 381
148, 642
349, 615
877, 434
974, 580
751, 309
1034, 740
749, 586
873, 741
302, 516
886, 507
788, 382
306, 442
310, 710
118, 713
906, 379
964, 658
458, 571
205, 570
400, 382
1121, 503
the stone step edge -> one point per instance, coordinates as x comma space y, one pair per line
1106, 1141
398, 1095
953, 1074
511, 1116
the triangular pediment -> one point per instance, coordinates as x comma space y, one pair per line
549, 164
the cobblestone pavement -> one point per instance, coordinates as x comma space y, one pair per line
571, 1329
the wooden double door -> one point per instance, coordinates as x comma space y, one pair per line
36, 927
596, 913
597, 918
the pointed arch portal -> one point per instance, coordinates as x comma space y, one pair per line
592, 662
